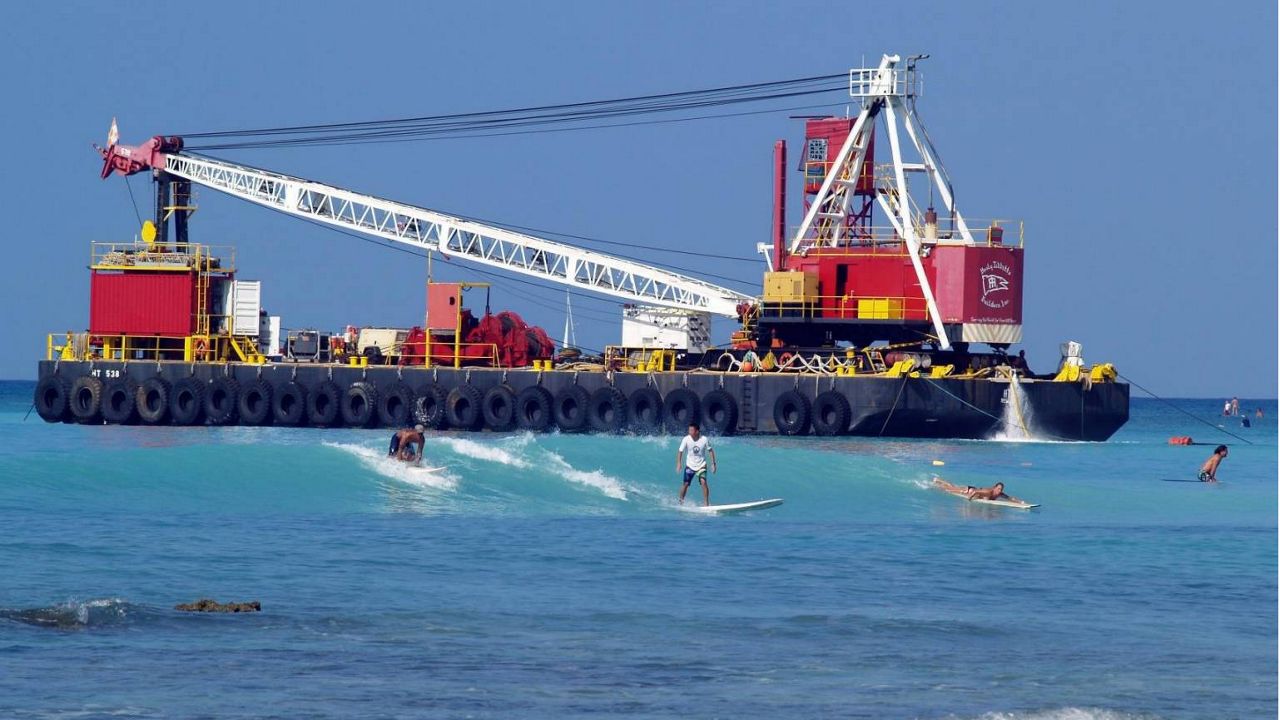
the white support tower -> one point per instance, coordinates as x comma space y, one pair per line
461, 238
887, 91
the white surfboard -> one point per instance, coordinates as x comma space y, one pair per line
1001, 503
1004, 503
734, 508
426, 470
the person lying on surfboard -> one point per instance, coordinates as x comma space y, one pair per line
407, 444
995, 492
695, 462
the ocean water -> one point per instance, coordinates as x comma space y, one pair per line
554, 576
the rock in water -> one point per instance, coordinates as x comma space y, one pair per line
213, 606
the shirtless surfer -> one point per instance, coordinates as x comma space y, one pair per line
995, 492
407, 444
1209, 470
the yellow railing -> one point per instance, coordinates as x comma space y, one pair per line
181, 348
864, 307
176, 256
619, 357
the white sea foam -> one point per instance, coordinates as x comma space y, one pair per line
597, 479
396, 470
481, 451
1066, 713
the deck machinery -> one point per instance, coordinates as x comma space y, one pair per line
870, 314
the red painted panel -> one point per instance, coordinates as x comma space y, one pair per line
978, 284
443, 306
142, 303
835, 131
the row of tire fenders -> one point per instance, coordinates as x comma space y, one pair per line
226, 401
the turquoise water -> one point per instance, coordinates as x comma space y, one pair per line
552, 576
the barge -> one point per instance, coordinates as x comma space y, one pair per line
860, 329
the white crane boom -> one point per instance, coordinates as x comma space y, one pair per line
466, 239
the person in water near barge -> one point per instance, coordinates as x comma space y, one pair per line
995, 492
1209, 470
407, 444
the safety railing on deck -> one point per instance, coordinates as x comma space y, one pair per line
884, 239
849, 307
618, 357
158, 256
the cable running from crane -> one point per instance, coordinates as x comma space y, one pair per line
638, 100
509, 124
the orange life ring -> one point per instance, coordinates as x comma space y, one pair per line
200, 349
782, 361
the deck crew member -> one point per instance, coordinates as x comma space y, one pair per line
407, 444
692, 456
1209, 470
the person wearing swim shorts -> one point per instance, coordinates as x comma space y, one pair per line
694, 451
995, 492
1209, 471
407, 444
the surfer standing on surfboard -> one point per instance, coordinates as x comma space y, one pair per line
692, 456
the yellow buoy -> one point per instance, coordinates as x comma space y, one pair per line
149, 232
938, 463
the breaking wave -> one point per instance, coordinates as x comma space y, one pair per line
377, 461
75, 614
1066, 713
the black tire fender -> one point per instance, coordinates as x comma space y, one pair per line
644, 410
570, 408
499, 408
791, 413
607, 410
831, 414
157, 402
51, 398
359, 404
679, 409
533, 409
254, 404
119, 402
395, 407
463, 408
323, 404
719, 413
289, 404
429, 407
187, 402
221, 400
85, 399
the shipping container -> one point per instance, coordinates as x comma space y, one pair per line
142, 303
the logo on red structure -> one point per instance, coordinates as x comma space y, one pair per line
995, 284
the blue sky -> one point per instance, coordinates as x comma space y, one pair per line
1136, 140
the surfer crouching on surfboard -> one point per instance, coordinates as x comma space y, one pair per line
995, 492
1209, 470
407, 444
698, 449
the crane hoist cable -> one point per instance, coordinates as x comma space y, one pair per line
654, 102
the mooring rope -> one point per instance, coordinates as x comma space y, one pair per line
1184, 412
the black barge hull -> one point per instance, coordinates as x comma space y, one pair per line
322, 395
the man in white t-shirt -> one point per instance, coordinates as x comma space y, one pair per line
692, 456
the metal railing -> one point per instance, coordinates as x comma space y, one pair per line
851, 307
633, 359
159, 256
884, 239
